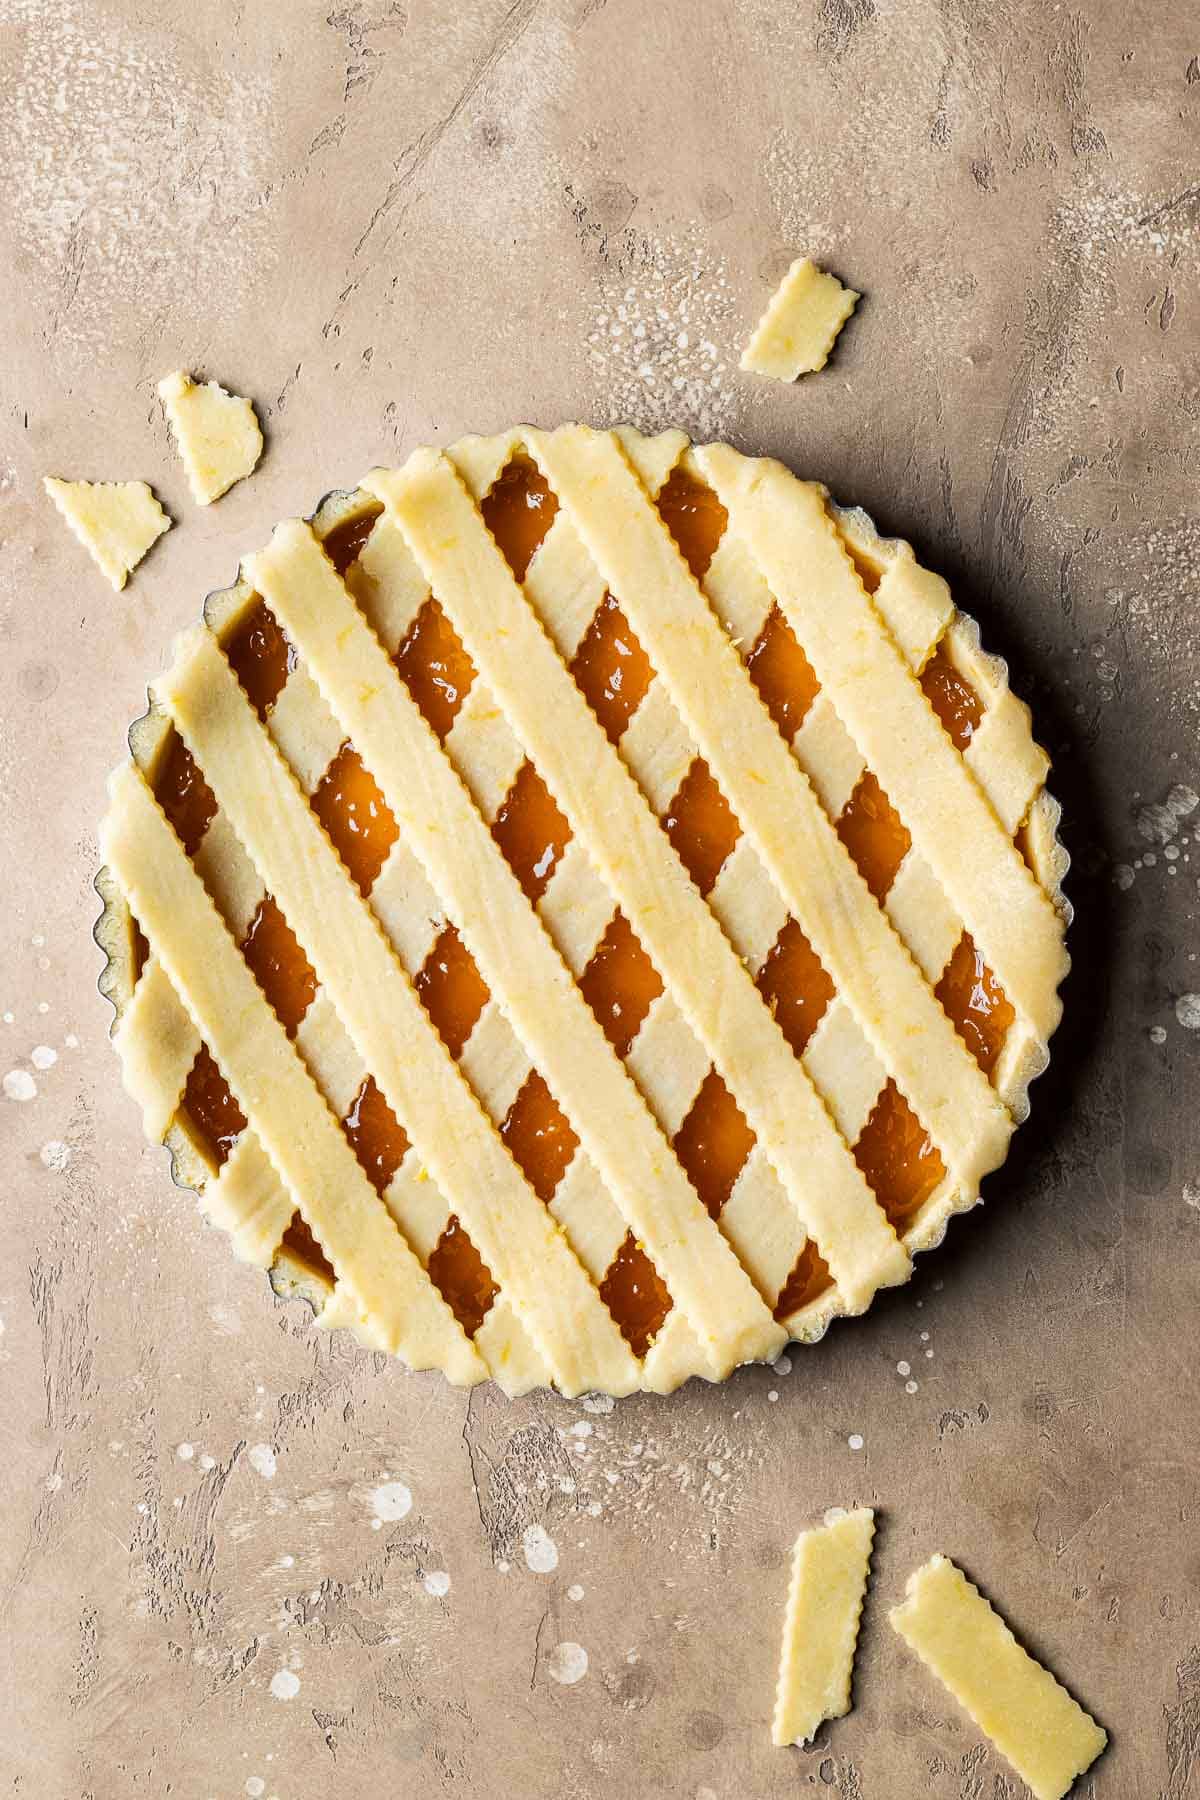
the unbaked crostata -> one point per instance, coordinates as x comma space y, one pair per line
583, 910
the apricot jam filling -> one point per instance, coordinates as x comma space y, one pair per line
620, 982
952, 698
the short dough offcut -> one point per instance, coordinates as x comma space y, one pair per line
801, 323
115, 521
820, 1629
217, 434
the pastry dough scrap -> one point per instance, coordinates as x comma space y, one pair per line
820, 1629
1028, 1715
115, 521
217, 434
801, 323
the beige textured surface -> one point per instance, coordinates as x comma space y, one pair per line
1017, 395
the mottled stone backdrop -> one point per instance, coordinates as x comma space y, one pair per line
239, 1558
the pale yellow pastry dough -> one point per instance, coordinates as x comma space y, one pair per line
115, 521
423, 533
798, 329
820, 1628
1028, 1715
217, 434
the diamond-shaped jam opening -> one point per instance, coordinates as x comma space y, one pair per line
694, 517
465, 1281
635, 1295
279, 965
183, 793
519, 511
300, 1243
898, 1157
612, 669
795, 986
808, 1280
453, 991
350, 804
376, 1135
539, 1136
344, 544
701, 825
952, 698
782, 674
262, 656
975, 1002
209, 1103
436, 668
874, 834
620, 984
713, 1142
531, 831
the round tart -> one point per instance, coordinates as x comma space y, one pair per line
583, 910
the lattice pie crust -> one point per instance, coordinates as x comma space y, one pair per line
583, 910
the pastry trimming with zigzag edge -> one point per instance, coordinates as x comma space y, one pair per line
656, 892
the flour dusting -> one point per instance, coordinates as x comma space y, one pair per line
567, 1663
262, 1460
134, 171
391, 1501
541, 1552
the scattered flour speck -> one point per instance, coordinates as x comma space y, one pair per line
1187, 1011
574, 1592
1191, 1194
541, 1552
567, 1663
391, 1501
437, 1583
42, 1056
285, 1685
855, 1440
598, 1403
19, 1085
185, 1452
255, 1786
55, 1155
262, 1459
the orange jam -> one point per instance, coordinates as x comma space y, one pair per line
519, 511
795, 986
463, 1277
262, 656
539, 1136
694, 517
360, 823
635, 1295
279, 965
453, 991
344, 542
183, 793
952, 698
782, 674
713, 1142
435, 667
531, 831
701, 825
874, 834
612, 669
211, 1107
898, 1157
620, 982
376, 1135
972, 997
807, 1281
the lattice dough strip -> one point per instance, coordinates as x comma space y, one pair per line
229, 875
777, 810
157, 1044
267, 1077
860, 667
247, 1199
595, 791
514, 956
528, 1257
